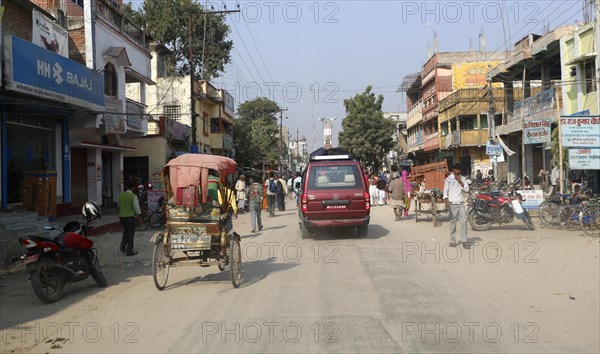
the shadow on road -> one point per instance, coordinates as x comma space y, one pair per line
252, 272
341, 233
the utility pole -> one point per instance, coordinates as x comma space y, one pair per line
492, 122
597, 45
312, 116
281, 137
297, 151
191, 64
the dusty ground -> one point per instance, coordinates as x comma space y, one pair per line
400, 290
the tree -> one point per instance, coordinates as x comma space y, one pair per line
366, 134
167, 21
256, 133
554, 149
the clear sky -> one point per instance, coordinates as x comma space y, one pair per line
340, 47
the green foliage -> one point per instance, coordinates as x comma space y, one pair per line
167, 21
256, 137
366, 134
554, 149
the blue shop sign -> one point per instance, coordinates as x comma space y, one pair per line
36, 71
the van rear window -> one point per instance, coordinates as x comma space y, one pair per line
334, 177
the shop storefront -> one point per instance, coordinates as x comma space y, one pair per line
44, 94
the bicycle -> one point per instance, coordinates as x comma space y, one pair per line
589, 217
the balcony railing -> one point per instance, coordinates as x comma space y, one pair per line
114, 18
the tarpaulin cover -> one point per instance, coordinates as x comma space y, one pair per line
189, 169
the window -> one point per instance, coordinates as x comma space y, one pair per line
483, 119
589, 69
468, 122
214, 125
334, 177
453, 125
444, 128
172, 111
110, 81
78, 2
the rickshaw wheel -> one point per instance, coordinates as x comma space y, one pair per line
235, 261
160, 268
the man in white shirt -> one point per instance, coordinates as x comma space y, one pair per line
454, 196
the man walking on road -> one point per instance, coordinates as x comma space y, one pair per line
397, 196
271, 185
240, 190
281, 191
454, 196
129, 208
255, 196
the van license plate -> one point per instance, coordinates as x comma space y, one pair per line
335, 207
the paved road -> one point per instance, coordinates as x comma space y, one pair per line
399, 290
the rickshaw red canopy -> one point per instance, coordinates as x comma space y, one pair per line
190, 169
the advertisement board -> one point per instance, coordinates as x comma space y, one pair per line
493, 148
580, 132
49, 35
584, 159
537, 131
35, 71
153, 196
532, 198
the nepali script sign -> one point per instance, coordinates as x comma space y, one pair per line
584, 159
580, 132
536, 131
493, 148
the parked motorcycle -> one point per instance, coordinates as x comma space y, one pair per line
69, 257
497, 208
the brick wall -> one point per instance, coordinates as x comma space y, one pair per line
17, 21
77, 44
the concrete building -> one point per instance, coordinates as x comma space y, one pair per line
99, 121
400, 150
463, 115
531, 79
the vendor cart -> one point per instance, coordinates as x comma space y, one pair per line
430, 203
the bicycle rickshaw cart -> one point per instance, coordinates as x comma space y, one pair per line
198, 213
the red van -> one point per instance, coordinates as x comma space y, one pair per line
334, 193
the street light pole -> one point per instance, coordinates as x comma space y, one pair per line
191, 64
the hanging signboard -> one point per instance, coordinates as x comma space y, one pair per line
584, 159
493, 148
536, 131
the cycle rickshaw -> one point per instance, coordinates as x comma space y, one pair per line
198, 213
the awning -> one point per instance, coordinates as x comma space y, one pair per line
506, 149
141, 78
119, 54
103, 146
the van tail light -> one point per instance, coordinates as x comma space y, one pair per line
367, 201
304, 201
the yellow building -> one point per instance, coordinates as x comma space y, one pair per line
578, 53
463, 116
